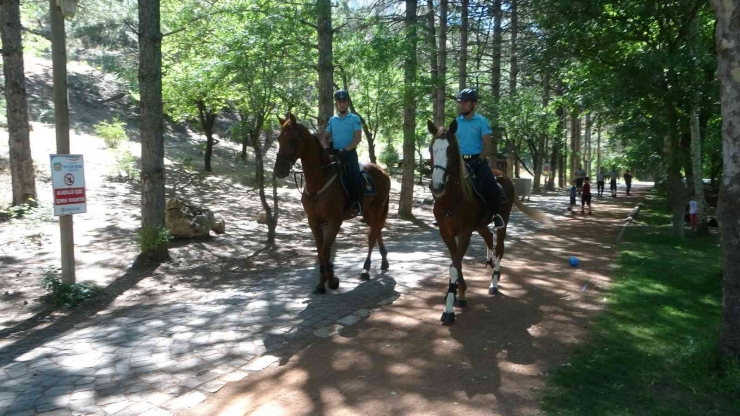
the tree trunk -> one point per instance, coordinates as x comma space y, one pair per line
152, 124
598, 145
514, 58
540, 154
439, 114
21, 162
573, 144
676, 189
702, 228
433, 59
728, 49
207, 120
260, 173
409, 113
588, 156
561, 168
463, 61
513, 164
326, 69
496, 81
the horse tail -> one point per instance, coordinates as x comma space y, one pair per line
535, 214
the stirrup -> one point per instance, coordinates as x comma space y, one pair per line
498, 222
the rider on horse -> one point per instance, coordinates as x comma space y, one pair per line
474, 136
345, 133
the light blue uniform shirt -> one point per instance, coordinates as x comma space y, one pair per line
343, 129
470, 134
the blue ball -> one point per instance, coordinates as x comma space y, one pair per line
574, 262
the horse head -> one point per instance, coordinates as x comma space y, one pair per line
290, 145
446, 160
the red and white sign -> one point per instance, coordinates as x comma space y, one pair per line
68, 181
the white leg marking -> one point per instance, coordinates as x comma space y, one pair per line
450, 296
440, 159
494, 275
498, 264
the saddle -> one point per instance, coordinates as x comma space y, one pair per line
479, 186
368, 184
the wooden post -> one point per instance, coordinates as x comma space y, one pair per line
61, 121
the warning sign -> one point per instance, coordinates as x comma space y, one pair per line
68, 181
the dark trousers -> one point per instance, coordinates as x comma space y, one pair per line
355, 184
629, 186
600, 188
613, 186
493, 192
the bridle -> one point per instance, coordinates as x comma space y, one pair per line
293, 158
295, 144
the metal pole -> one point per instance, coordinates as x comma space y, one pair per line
61, 120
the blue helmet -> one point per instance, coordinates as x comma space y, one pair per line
341, 95
468, 94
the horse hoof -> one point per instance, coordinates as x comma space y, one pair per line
334, 284
384, 266
493, 291
319, 290
461, 303
365, 276
448, 318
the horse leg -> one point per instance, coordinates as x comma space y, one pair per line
488, 237
371, 238
456, 276
500, 237
463, 240
383, 252
330, 234
318, 235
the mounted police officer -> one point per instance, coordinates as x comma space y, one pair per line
474, 136
345, 132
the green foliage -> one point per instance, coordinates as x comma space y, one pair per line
187, 163
389, 156
30, 214
149, 238
66, 295
113, 132
653, 351
127, 164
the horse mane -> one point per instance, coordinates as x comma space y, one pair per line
465, 185
323, 154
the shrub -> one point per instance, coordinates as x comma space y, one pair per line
389, 156
127, 164
150, 238
67, 295
113, 133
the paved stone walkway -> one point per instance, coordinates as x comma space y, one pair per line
157, 359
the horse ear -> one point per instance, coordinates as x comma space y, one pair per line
453, 127
432, 128
281, 120
293, 122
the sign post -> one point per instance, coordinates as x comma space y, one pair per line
61, 122
68, 182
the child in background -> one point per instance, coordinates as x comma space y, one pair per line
693, 210
586, 195
573, 191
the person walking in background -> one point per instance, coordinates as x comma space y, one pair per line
693, 210
600, 177
586, 195
628, 180
580, 175
613, 176
573, 190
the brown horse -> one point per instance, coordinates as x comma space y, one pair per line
459, 213
324, 199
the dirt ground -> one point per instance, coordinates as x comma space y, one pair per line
493, 360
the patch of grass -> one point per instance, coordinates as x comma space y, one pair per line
127, 165
33, 215
113, 132
66, 295
653, 351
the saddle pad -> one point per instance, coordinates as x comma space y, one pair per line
368, 184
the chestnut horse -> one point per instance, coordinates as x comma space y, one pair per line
459, 212
325, 201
